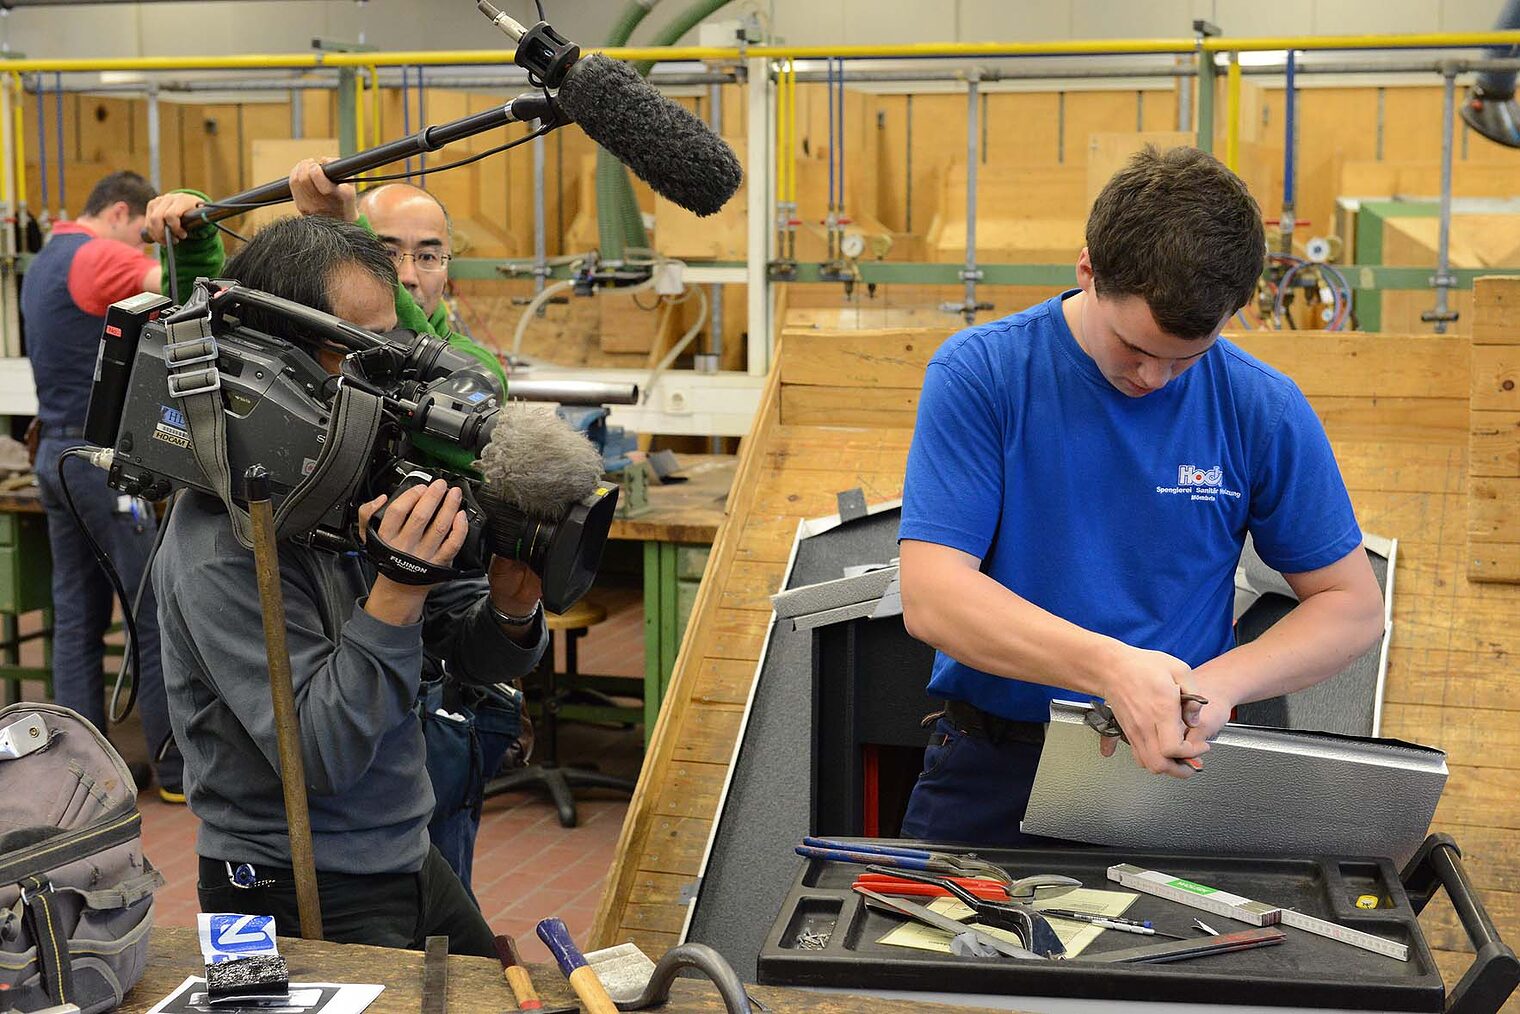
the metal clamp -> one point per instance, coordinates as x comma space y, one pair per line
202, 350
203, 381
47, 888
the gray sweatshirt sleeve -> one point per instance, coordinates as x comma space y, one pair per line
348, 694
458, 627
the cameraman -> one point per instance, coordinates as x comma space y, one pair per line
469, 731
357, 643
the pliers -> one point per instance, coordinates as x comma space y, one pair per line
1032, 928
885, 880
1101, 719
948, 864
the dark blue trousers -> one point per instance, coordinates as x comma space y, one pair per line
973, 791
462, 755
83, 599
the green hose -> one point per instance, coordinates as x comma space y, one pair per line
619, 223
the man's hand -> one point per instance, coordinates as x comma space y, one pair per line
1142, 689
167, 211
424, 522
515, 589
315, 194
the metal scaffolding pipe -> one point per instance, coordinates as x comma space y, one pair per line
155, 136
1443, 280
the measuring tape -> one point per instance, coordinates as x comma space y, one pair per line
1233, 906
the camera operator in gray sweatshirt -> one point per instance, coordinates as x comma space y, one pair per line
359, 643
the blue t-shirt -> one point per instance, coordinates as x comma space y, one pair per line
1124, 515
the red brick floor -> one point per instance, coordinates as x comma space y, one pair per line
527, 867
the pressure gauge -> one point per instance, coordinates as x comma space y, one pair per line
852, 245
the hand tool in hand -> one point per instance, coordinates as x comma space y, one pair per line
1197, 947
634, 982
516, 973
947, 863
1101, 720
435, 975
1031, 927
886, 880
573, 963
1104, 922
919, 914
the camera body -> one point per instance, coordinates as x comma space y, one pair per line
438, 408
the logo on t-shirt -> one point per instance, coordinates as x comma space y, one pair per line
1204, 484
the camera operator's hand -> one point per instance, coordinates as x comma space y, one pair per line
515, 591
315, 194
168, 210
424, 522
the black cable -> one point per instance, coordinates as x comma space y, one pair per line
235, 235
110, 569
142, 587
169, 258
540, 132
539, 4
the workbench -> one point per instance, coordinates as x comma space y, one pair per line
26, 585
475, 984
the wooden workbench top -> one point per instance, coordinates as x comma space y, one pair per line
687, 511
475, 984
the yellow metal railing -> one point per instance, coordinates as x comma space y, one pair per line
1069, 47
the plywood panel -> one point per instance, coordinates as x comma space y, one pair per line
1107, 152
1385, 366
1495, 447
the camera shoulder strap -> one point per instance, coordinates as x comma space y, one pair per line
351, 431
190, 356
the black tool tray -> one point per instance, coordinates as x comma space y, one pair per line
1305, 970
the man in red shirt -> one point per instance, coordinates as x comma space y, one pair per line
87, 265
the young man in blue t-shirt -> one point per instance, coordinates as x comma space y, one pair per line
1082, 478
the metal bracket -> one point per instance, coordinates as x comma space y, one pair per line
852, 505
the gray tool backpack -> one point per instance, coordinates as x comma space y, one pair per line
76, 892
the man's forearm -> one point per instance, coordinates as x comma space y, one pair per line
978, 622
1320, 637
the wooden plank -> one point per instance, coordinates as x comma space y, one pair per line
1495, 447
661, 917
735, 634
727, 680
768, 539
1107, 153
674, 845
751, 585
1493, 561
708, 733
1452, 679
1384, 366
849, 406
1411, 418
1482, 796
820, 500
874, 359
1488, 853
1496, 310
1496, 378
1470, 736
690, 789
1493, 509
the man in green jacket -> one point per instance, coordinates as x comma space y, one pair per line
414, 226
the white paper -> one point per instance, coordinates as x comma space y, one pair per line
305, 998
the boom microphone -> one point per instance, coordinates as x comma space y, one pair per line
662, 142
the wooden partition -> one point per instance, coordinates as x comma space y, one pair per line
838, 413
1493, 522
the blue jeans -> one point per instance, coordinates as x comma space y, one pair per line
83, 598
973, 791
461, 757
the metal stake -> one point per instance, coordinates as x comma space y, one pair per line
1444, 280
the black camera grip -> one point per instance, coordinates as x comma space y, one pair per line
403, 568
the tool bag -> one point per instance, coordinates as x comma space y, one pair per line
76, 892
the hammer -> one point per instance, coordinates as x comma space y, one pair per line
516, 974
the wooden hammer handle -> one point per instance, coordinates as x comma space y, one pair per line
591, 991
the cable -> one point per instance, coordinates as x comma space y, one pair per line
142, 586
540, 132
680, 346
235, 235
101, 558
539, 4
169, 263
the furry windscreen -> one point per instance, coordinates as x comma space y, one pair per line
536, 462
664, 144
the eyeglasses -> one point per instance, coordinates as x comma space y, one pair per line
426, 260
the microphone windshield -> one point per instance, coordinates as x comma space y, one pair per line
537, 463
664, 144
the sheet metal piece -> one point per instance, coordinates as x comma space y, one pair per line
1267, 791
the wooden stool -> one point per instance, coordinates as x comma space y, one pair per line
547, 774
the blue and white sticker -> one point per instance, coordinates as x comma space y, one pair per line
226, 935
